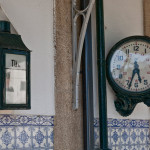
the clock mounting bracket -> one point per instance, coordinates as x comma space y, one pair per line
125, 103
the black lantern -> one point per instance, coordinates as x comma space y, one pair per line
14, 70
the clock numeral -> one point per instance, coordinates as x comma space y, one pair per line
127, 82
118, 67
136, 48
129, 78
120, 58
124, 73
145, 82
136, 85
145, 50
148, 72
120, 76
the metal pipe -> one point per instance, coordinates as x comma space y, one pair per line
101, 75
88, 112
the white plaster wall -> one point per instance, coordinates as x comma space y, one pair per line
123, 18
33, 20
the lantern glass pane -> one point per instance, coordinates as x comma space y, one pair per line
15, 79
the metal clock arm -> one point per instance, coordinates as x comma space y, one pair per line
124, 105
77, 51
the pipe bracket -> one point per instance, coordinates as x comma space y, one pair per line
78, 45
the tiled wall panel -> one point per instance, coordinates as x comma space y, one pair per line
36, 133
26, 132
125, 134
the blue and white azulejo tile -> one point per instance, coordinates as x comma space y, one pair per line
20, 132
125, 134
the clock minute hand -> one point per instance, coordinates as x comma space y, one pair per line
139, 77
133, 74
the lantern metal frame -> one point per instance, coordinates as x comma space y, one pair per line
12, 44
3, 104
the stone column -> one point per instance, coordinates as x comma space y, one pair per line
68, 124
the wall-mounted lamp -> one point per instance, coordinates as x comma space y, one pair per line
14, 70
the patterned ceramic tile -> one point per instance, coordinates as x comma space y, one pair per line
50, 137
96, 136
39, 137
43, 120
18, 132
23, 120
7, 137
126, 134
23, 137
7, 120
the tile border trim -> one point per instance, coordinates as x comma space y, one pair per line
26, 120
125, 123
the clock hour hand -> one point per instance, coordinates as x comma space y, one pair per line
135, 70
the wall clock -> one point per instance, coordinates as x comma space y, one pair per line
128, 73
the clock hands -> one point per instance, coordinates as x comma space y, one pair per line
135, 70
139, 77
133, 74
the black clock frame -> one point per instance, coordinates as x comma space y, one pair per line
126, 100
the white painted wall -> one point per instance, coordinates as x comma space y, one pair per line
33, 20
123, 18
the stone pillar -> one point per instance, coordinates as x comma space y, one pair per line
68, 124
146, 4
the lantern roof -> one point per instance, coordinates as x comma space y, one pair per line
8, 40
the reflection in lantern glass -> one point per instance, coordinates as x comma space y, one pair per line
15, 81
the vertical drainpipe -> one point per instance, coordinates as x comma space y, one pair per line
88, 114
101, 75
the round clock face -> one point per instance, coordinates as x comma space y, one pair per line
130, 65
